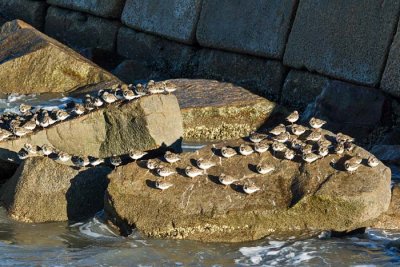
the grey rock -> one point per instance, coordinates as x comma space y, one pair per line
348, 108
81, 30
102, 8
173, 19
343, 39
301, 88
391, 218
154, 52
134, 71
295, 198
32, 12
32, 62
252, 27
60, 192
262, 76
387, 153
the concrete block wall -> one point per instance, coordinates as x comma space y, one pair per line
286, 50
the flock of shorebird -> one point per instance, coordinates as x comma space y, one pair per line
13, 125
289, 141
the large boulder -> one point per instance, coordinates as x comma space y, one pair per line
391, 218
43, 190
32, 62
295, 198
212, 110
347, 40
102, 8
173, 19
147, 123
80, 30
251, 27
32, 12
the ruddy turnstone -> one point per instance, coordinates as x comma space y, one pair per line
250, 188
62, 115
372, 161
79, 109
265, 168
23, 154
310, 157
205, 164
316, 123
129, 95
289, 154
193, 172
109, 98
164, 171
298, 129
151, 164
140, 90
281, 128
261, 147
44, 120
171, 157
63, 157
348, 146
162, 184
137, 154
256, 137
115, 160
97, 102
226, 179
30, 148
245, 150
293, 117
228, 152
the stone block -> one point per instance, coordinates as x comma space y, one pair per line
32, 12
173, 19
347, 40
102, 8
255, 27
391, 76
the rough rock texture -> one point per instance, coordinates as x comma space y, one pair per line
391, 75
387, 153
173, 19
294, 198
32, 12
391, 218
349, 108
134, 71
301, 88
80, 30
32, 62
213, 110
2, 21
147, 123
43, 190
102, 8
252, 27
353, 47
260, 75
154, 52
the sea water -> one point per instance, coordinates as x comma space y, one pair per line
93, 243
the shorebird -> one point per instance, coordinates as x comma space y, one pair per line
314, 136
115, 161
193, 172
298, 129
63, 157
278, 147
24, 108
228, 152
169, 87
109, 98
151, 164
137, 154
311, 157
129, 95
30, 148
265, 168
289, 154
154, 88
372, 161
261, 147
339, 149
316, 123
164, 171
62, 115
226, 179
96, 161
282, 137
256, 137
250, 188
245, 150
342, 138
171, 157
29, 125
351, 166
205, 164
23, 154
281, 128
323, 151
79, 109
47, 150
162, 184
293, 117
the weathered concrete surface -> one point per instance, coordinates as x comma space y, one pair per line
348, 108
32, 12
32, 62
260, 75
43, 190
80, 30
157, 53
343, 39
212, 110
102, 8
147, 123
173, 19
391, 75
301, 88
296, 197
391, 218
251, 27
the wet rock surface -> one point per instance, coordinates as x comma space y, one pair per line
213, 110
43, 190
32, 62
294, 197
147, 123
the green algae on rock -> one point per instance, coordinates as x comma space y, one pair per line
296, 197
